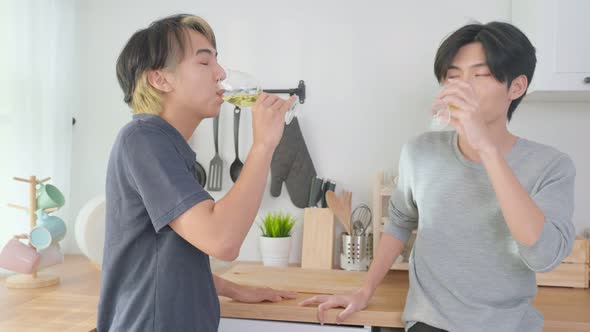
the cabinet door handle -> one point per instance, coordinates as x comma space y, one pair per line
587, 80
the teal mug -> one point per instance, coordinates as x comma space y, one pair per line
49, 230
48, 196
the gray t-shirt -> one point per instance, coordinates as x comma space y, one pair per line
152, 279
466, 272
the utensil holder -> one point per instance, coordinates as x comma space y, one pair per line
356, 252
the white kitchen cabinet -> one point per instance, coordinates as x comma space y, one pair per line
559, 31
251, 325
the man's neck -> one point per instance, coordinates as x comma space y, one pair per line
184, 122
500, 135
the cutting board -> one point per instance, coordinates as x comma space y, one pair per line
296, 279
318, 239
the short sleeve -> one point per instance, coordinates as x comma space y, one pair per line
163, 180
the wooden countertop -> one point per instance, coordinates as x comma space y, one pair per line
384, 310
71, 305
565, 309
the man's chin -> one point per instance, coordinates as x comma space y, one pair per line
209, 112
215, 110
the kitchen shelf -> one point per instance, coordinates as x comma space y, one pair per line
400, 266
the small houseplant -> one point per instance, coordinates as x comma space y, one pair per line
275, 241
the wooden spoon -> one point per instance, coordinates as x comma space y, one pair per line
346, 198
338, 206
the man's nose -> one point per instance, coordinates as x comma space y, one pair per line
466, 77
221, 74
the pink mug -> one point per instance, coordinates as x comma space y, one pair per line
19, 257
50, 256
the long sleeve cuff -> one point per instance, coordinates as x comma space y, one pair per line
549, 250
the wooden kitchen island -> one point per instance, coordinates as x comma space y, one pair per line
71, 306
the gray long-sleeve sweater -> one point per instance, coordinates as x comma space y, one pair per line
467, 272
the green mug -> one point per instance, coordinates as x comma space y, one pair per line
48, 196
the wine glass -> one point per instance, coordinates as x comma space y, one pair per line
242, 90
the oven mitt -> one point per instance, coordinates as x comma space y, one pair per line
292, 164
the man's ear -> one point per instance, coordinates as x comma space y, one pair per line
159, 80
518, 87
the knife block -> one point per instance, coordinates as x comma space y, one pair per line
318, 239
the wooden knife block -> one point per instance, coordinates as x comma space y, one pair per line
318, 238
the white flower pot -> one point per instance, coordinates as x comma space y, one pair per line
275, 251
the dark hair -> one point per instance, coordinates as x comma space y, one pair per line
160, 45
509, 53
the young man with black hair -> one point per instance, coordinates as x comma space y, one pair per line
490, 208
161, 225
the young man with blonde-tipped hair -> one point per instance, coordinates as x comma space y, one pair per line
161, 225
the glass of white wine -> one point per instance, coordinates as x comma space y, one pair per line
242, 90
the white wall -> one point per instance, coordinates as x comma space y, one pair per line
367, 67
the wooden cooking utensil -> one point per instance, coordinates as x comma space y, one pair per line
338, 205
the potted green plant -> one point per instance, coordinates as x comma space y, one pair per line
275, 241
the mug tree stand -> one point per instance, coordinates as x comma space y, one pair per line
35, 280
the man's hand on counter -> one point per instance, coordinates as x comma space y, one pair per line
352, 303
389, 248
250, 294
